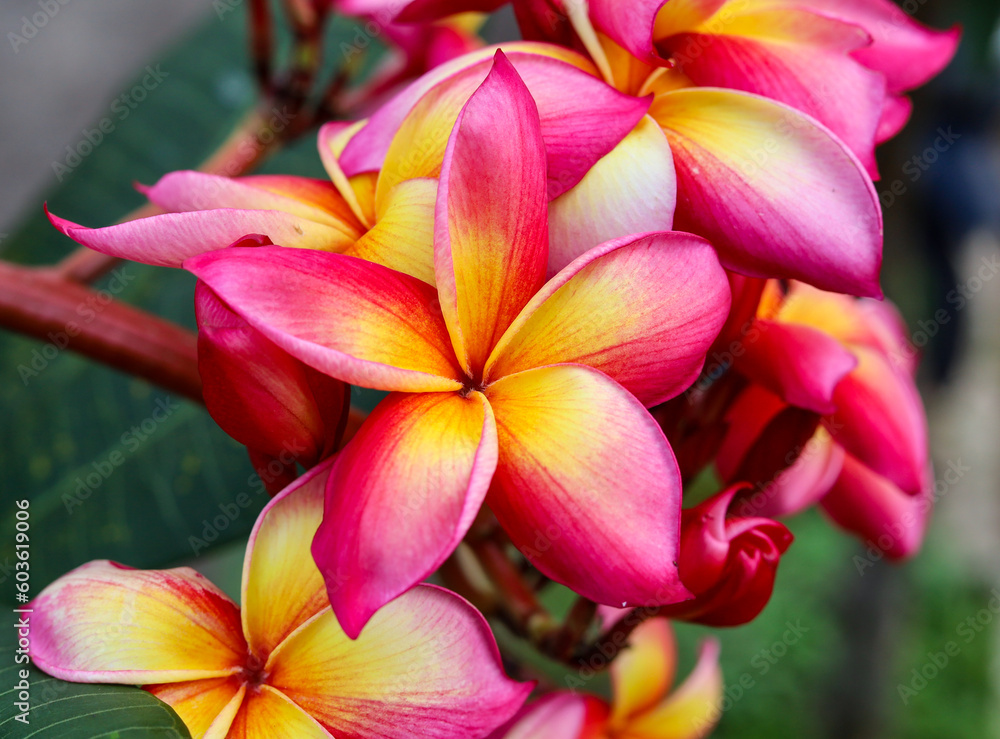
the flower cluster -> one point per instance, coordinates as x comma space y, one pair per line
532, 250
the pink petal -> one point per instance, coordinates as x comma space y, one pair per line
880, 419
896, 112
905, 51
798, 363
586, 486
354, 320
554, 716
879, 513
490, 230
432, 10
808, 474
796, 57
414, 476
167, 240
775, 192
313, 200
643, 310
629, 24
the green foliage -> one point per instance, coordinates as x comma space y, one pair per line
78, 711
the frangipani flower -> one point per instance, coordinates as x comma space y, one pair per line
729, 562
533, 392
846, 63
386, 213
775, 191
643, 705
850, 362
427, 666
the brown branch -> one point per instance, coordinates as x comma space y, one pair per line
43, 304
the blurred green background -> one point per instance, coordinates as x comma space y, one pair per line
862, 631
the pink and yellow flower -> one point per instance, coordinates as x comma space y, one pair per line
427, 666
382, 208
846, 63
850, 363
506, 389
775, 191
643, 706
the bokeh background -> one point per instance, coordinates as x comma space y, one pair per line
843, 633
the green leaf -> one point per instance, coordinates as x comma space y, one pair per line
61, 710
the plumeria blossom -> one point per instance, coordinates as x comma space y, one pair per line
728, 561
507, 389
384, 212
427, 666
850, 364
643, 706
285, 412
774, 190
811, 54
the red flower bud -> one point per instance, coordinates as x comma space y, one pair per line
728, 562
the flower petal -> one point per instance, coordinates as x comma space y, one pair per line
641, 675
775, 192
800, 364
415, 474
643, 310
491, 231
880, 419
896, 114
632, 190
571, 441
879, 513
629, 24
259, 394
691, 711
806, 475
554, 716
312, 200
354, 320
167, 240
403, 235
282, 587
678, 16
796, 57
426, 666
104, 622
269, 713
581, 117
419, 11
220, 727
198, 702
906, 52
